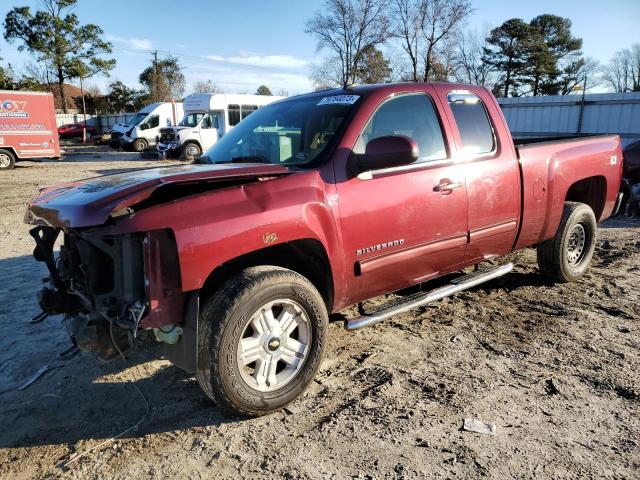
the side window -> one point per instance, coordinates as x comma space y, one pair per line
234, 115
207, 121
412, 115
248, 110
154, 121
473, 122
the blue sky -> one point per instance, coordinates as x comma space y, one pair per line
244, 43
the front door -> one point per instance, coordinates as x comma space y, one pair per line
208, 131
404, 225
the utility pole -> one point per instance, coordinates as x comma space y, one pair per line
155, 75
581, 112
84, 114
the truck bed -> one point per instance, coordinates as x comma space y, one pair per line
547, 165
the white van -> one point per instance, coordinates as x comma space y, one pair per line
143, 129
207, 117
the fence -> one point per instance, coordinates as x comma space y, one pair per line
103, 123
574, 114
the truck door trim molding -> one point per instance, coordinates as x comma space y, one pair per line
407, 254
490, 231
373, 174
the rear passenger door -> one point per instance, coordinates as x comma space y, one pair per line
404, 225
491, 170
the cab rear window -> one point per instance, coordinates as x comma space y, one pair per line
473, 123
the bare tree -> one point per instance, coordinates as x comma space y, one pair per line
328, 74
634, 55
622, 73
407, 23
422, 28
347, 29
205, 86
93, 90
581, 74
470, 64
40, 73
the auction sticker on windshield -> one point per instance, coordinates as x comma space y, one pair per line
339, 100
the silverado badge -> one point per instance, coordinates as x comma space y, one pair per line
380, 246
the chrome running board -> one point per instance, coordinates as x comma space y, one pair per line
418, 300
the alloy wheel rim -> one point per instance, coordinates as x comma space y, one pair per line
576, 244
192, 151
5, 161
274, 345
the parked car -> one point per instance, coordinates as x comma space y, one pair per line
74, 130
27, 127
307, 206
631, 179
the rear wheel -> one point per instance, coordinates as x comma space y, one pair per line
261, 340
7, 160
567, 255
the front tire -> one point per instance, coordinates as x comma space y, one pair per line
139, 145
566, 256
261, 340
192, 151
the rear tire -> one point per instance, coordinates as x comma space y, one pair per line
260, 340
566, 256
7, 160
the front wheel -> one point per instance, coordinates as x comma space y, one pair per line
567, 255
139, 144
261, 340
192, 151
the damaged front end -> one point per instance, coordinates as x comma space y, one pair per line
118, 269
98, 283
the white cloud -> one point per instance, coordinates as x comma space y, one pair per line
131, 43
241, 79
252, 59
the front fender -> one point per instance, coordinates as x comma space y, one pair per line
215, 227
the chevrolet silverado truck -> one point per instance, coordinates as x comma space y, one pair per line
307, 206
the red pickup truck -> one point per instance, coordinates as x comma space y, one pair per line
309, 205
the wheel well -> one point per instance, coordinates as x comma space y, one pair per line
591, 191
196, 142
11, 151
306, 257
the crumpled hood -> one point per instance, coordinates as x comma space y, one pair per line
90, 202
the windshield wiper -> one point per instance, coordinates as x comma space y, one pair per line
250, 159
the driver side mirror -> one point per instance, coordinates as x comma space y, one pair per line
386, 152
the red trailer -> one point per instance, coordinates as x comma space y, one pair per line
27, 127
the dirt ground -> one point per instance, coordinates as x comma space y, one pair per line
556, 367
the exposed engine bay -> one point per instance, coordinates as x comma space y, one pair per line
98, 283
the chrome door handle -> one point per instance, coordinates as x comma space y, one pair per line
447, 187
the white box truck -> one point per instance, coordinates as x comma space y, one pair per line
143, 129
207, 117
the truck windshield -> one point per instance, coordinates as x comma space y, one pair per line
137, 119
293, 132
191, 119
